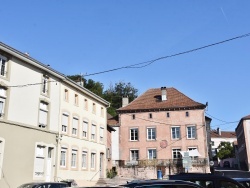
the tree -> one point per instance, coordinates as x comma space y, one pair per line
114, 95
225, 150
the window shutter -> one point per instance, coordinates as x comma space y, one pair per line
93, 129
43, 117
75, 123
65, 119
85, 126
101, 132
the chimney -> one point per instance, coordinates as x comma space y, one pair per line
124, 101
163, 93
218, 131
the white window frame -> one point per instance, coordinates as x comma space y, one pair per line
191, 132
84, 159
151, 133
85, 126
134, 134
3, 97
74, 158
43, 114
93, 160
65, 122
75, 123
93, 132
63, 157
152, 153
176, 152
101, 134
134, 154
175, 135
3, 66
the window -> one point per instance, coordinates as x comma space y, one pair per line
175, 132
102, 112
101, 134
85, 129
151, 134
65, 121
2, 100
39, 161
85, 104
168, 114
3, 66
66, 95
150, 116
133, 116
193, 148
93, 132
45, 87
73, 158
63, 157
43, 114
152, 154
75, 126
93, 155
94, 108
176, 153
134, 155
187, 114
212, 143
76, 99
84, 159
134, 134
191, 132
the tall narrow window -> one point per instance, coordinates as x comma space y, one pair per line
66, 95
150, 116
151, 134
175, 132
101, 134
63, 157
191, 132
151, 153
43, 115
93, 159
134, 155
45, 87
133, 116
102, 112
85, 129
85, 104
3, 67
187, 114
94, 108
75, 126
73, 158
84, 159
168, 114
65, 121
2, 100
134, 134
93, 132
76, 99
39, 166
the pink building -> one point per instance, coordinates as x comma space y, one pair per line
159, 125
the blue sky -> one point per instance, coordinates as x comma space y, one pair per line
90, 36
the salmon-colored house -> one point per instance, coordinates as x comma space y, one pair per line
162, 124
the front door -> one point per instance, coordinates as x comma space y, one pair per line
49, 165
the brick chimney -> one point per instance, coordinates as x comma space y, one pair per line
163, 93
218, 131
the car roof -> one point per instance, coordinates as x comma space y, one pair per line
199, 175
242, 179
39, 183
156, 181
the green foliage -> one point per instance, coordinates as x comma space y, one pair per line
225, 150
111, 173
113, 94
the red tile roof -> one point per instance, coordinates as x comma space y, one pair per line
224, 134
151, 100
112, 121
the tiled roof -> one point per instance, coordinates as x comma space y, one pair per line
246, 117
112, 121
151, 99
224, 134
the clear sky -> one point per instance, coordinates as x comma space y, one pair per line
90, 36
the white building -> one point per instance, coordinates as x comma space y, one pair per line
51, 128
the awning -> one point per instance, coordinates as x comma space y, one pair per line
192, 153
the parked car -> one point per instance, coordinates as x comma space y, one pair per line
226, 164
208, 180
244, 181
161, 184
44, 185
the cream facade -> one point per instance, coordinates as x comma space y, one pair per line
35, 145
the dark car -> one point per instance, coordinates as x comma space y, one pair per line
244, 181
208, 180
161, 184
44, 185
226, 164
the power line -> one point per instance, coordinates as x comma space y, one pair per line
147, 63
